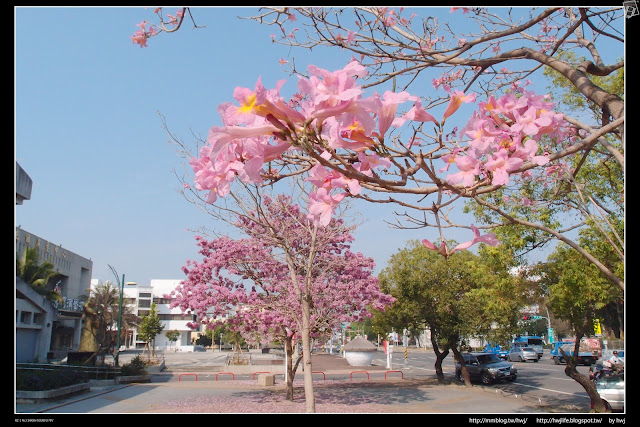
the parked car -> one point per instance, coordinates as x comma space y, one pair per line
522, 354
487, 368
611, 390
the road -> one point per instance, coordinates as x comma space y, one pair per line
543, 379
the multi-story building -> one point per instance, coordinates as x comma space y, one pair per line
64, 326
44, 330
140, 297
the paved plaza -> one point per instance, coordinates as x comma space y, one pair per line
199, 382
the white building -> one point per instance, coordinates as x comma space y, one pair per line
140, 297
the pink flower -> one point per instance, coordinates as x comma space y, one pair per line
331, 93
457, 98
469, 168
321, 206
140, 37
416, 114
480, 129
387, 109
528, 152
489, 239
529, 122
328, 179
373, 161
442, 249
501, 165
449, 159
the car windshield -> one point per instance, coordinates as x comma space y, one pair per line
485, 359
527, 349
611, 382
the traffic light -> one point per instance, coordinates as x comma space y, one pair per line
525, 317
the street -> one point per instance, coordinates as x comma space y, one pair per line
543, 379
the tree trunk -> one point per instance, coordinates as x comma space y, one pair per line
588, 385
310, 405
439, 357
291, 366
458, 357
620, 311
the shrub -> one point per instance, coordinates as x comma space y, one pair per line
136, 366
37, 380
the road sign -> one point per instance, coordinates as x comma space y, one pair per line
550, 333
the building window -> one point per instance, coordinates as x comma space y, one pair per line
25, 317
144, 295
144, 303
37, 318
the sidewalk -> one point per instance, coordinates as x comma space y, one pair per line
167, 394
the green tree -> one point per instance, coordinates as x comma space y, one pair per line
205, 339
442, 295
172, 335
495, 306
150, 326
40, 276
577, 290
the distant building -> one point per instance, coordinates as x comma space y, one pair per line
140, 297
63, 320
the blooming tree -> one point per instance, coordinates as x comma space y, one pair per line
351, 144
376, 129
286, 279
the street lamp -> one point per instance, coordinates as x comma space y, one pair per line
121, 286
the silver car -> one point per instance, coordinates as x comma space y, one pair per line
522, 354
611, 390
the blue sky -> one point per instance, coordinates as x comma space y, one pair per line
89, 133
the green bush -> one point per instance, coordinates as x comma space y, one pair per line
37, 380
136, 366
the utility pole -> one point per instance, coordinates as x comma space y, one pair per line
121, 287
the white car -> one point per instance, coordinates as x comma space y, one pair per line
611, 390
522, 354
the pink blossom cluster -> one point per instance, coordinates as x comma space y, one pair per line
505, 133
263, 126
140, 37
331, 119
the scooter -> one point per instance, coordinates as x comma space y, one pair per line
601, 371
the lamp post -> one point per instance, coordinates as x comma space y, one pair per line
121, 286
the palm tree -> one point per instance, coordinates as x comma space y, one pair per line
38, 275
104, 300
